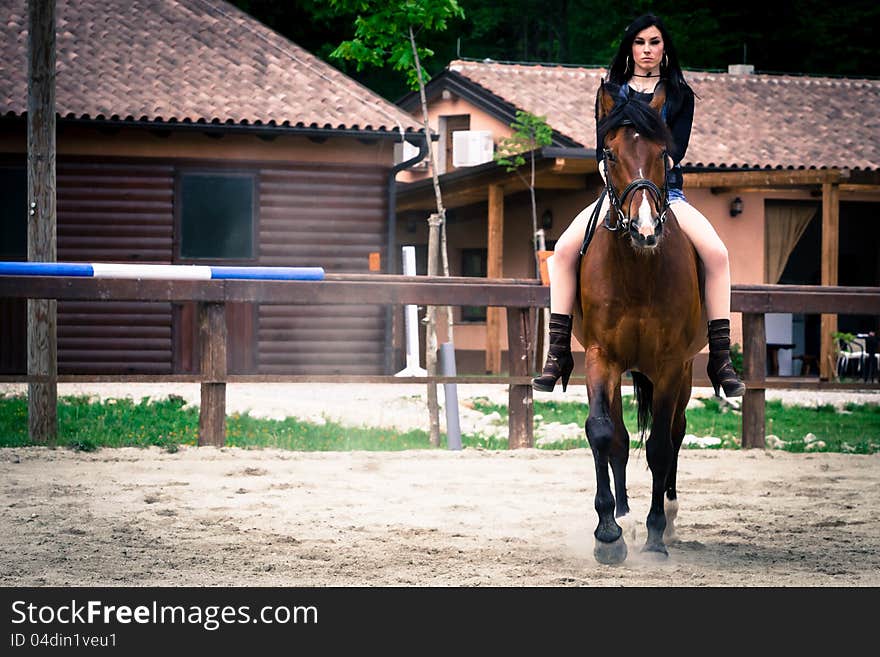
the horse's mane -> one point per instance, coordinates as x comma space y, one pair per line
635, 112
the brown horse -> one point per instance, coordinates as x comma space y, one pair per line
640, 311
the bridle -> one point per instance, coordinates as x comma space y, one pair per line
618, 202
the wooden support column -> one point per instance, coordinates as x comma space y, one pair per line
212, 351
495, 269
830, 254
754, 362
42, 339
521, 408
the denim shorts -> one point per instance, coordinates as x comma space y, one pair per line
674, 194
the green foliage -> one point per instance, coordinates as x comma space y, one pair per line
383, 30
846, 338
87, 425
530, 132
820, 37
736, 358
855, 429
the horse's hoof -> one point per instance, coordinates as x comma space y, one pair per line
610, 553
657, 551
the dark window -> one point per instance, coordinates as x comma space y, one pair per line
13, 214
217, 216
473, 263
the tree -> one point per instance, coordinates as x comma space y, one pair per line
385, 32
530, 133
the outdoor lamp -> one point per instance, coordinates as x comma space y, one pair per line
736, 206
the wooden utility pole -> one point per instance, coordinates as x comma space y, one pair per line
830, 255
42, 313
495, 269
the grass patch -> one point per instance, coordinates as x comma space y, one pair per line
86, 425
291, 433
856, 429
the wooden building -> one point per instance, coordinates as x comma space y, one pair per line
785, 167
190, 133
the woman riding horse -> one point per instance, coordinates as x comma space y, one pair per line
645, 57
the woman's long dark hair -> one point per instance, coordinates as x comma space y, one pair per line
670, 73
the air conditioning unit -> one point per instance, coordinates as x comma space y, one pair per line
471, 147
404, 151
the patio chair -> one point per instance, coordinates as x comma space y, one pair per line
848, 353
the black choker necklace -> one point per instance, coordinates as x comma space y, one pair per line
636, 75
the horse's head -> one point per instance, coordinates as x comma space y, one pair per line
636, 140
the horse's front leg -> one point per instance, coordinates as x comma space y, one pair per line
619, 454
660, 453
602, 381
679, 427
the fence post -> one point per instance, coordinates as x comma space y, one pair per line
212, 352
754, 362
521, 409
42, 314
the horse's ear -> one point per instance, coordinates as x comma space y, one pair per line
659, 97
606, 101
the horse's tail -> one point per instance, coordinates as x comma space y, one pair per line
644, 390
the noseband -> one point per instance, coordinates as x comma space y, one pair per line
660, 197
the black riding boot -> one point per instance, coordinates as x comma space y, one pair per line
719, 367
559, 360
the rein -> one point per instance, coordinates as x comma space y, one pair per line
660, 197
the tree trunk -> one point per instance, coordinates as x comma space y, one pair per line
436, 242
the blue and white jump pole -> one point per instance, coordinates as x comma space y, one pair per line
160, 272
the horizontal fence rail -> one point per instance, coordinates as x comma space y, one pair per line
518, 296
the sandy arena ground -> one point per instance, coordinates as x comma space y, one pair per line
208, 517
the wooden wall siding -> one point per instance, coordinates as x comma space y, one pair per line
114, 337
114, 212
326, 340
332, 216
328, 216
322, 216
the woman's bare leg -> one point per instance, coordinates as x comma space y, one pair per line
562, 268
716, 263
562, 264
714, 255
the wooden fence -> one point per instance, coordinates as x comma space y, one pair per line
517, 296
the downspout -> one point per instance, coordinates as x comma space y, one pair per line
391, 266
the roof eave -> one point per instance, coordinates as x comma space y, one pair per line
546, 153
216, 127
492, 104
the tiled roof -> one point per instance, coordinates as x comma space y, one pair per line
747, 120
185, 61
